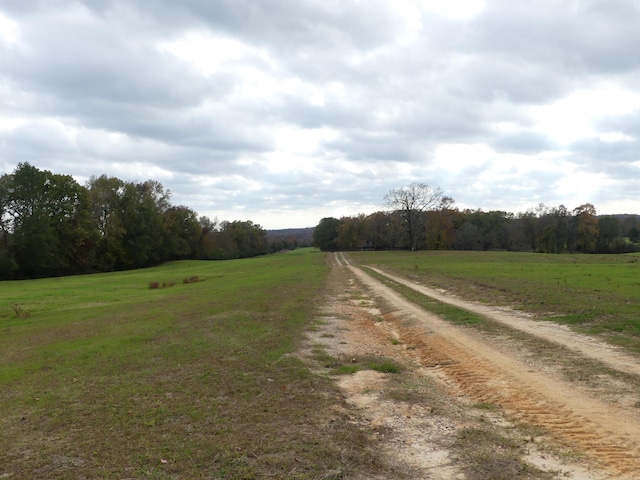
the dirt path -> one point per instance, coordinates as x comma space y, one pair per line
474, 368
549, 331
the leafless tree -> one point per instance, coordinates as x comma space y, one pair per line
411, 202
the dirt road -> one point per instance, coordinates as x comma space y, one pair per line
500, 371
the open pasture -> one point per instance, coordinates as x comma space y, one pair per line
597, 294
102, 376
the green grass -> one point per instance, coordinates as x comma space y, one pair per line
338, 366
103, 377
596, 294
384, 366
486, 453
448, 312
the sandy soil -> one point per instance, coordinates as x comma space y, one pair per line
553, 332
470, 368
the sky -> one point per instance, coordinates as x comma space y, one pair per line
284, 112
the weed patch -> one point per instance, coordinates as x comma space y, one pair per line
384, 366
157, 285
491, 407
485, 453
192, 279
20, 312
347, 369
379, 364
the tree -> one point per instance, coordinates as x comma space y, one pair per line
560, 217
440, 235
609, 240
229, 240
379, 230
142, 206
250, 239
552, 229
492, 231
69, 212
468, 237
50, 225
585, 228
325, 234
8, 265
352, 232
105, 198
411, 202
48, 219
182, 233
528, 222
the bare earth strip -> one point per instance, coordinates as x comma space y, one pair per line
607, 433
553, 332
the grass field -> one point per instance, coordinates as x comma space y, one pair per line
104, 377
596, 294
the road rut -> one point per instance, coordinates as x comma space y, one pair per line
607, 433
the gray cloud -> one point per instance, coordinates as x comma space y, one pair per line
283, 111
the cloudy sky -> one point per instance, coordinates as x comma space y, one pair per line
287, 111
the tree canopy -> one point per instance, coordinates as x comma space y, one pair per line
50, 225
422, 217
325, 234
411, 202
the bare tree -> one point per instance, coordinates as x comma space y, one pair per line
411, 202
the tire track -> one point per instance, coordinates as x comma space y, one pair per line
549, 331
483, 381
608, 434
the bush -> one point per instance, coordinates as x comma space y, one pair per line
20, 312
154, 285
192, 279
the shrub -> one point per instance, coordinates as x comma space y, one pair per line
20, 312
154, 285
192, 279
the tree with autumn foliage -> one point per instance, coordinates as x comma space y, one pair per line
585, 228
411, 203
352, 232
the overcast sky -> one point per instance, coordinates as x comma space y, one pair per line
286, 111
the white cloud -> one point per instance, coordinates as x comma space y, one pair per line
572, 117
458, 157
211, 53
9, 32
457, 9
614, 137
577, 183
286, 110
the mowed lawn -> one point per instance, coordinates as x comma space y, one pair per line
103, 377
596, 294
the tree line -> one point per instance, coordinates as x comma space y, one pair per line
50, 225
421, 217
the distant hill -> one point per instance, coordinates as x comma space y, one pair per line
303, 237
